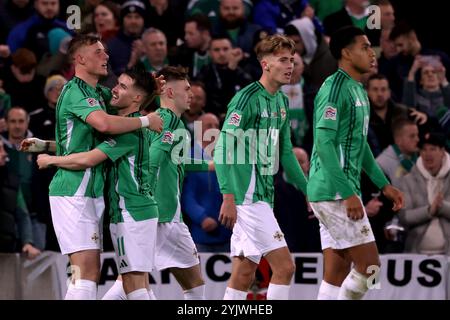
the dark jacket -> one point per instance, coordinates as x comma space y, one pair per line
9, 186
340, 19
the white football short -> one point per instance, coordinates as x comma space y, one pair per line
134, 243
256, 232
78, 222
175, 247
337, 230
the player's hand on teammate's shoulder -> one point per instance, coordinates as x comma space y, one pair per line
395, 195
43, 161
155, 122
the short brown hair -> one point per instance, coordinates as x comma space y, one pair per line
24, 59
272, 44
79, 41
171, 73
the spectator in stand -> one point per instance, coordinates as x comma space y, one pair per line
355, 13
232, 21
56, 60
408, 46
211, 9
167, 16
300, 106
325, 8
427, 199
20, 166
399, 158
312, 47
106, 19
32, 33
201, 198
194, 53
15, 224
384, 112
13, 12
300, 227
273, 15
434, 91
222, 77
22, 83
126, 47
198, 104
154, 44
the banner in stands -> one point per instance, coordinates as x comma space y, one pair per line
402, 276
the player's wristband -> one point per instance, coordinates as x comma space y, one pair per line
145, 122
38, 145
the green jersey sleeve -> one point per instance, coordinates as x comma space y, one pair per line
330, 161
165, 140
85, 106
289, 161
372, 169
237, 117
329, 110
117, 146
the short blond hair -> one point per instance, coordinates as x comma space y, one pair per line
272, 44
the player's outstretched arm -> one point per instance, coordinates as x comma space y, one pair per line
109, 124
75, 161
37, 145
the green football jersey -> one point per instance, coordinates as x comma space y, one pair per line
341, 105
73, 135
128, 176
167, 152
253, 139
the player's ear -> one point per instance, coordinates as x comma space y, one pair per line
169, 92
265, 65
345, 52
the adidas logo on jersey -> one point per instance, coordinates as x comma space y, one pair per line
123, 264
358, 103
264, 114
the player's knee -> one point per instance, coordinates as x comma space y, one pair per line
285, 269
246, 277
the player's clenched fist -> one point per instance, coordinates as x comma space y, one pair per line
43, 161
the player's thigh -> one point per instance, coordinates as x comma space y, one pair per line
365, 257
336, 266
85, 264
280, 260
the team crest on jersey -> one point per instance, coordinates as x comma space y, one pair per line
167, 137
92, 102
330, 113
235, 119
283, 113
